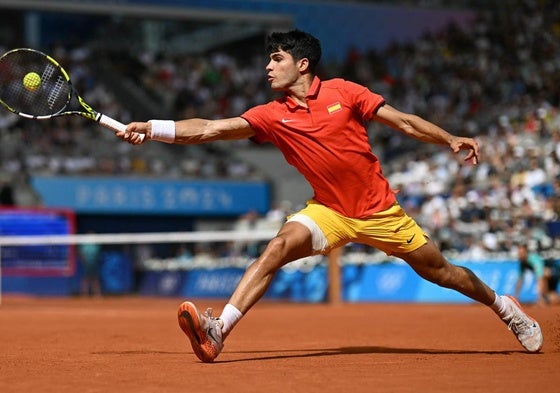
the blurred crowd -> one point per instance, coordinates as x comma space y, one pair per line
499, 82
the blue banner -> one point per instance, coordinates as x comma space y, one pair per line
310, 285
360, 283
166, 283
399, 283
211, 283
116, 273
288, 284
135, 196
386, 282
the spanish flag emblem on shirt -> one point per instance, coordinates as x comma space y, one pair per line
332, 108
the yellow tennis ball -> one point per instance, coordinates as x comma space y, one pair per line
32, 81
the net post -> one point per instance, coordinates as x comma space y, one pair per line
334, 295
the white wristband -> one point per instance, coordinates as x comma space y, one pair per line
163, 130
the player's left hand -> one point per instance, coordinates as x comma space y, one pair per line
461, 143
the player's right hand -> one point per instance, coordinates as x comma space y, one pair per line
136, 133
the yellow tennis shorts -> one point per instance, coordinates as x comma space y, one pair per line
391, 230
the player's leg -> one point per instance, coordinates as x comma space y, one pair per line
206, 333
430, 264
304, 234
292, 242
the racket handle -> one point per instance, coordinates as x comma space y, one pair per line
114, 125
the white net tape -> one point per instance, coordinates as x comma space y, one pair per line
137, 238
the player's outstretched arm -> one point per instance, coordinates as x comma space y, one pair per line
425, 131
193, 131
189, 131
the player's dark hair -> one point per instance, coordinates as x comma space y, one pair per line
297, 43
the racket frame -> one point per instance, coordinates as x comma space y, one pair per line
88, 113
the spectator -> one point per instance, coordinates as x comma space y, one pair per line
90, 259
530, 261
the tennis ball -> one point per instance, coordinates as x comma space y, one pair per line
32, 81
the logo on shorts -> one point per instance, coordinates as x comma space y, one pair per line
410, 240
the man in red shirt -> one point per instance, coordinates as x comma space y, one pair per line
319, 126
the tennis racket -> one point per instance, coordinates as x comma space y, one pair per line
33, 85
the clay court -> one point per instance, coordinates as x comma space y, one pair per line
133, 344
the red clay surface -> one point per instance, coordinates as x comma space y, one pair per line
134, 344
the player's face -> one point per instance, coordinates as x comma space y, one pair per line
282, 70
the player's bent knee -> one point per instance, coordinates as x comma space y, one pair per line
276, 244
275, 252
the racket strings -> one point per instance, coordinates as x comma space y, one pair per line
50, 97
56, 92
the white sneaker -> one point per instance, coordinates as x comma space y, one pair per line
526, 329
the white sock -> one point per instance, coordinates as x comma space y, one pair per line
500, 307
230, 316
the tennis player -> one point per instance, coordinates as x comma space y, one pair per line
320, 127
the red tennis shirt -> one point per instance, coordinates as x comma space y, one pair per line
327, 143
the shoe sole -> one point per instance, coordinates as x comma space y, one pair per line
189, 321
531, 318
